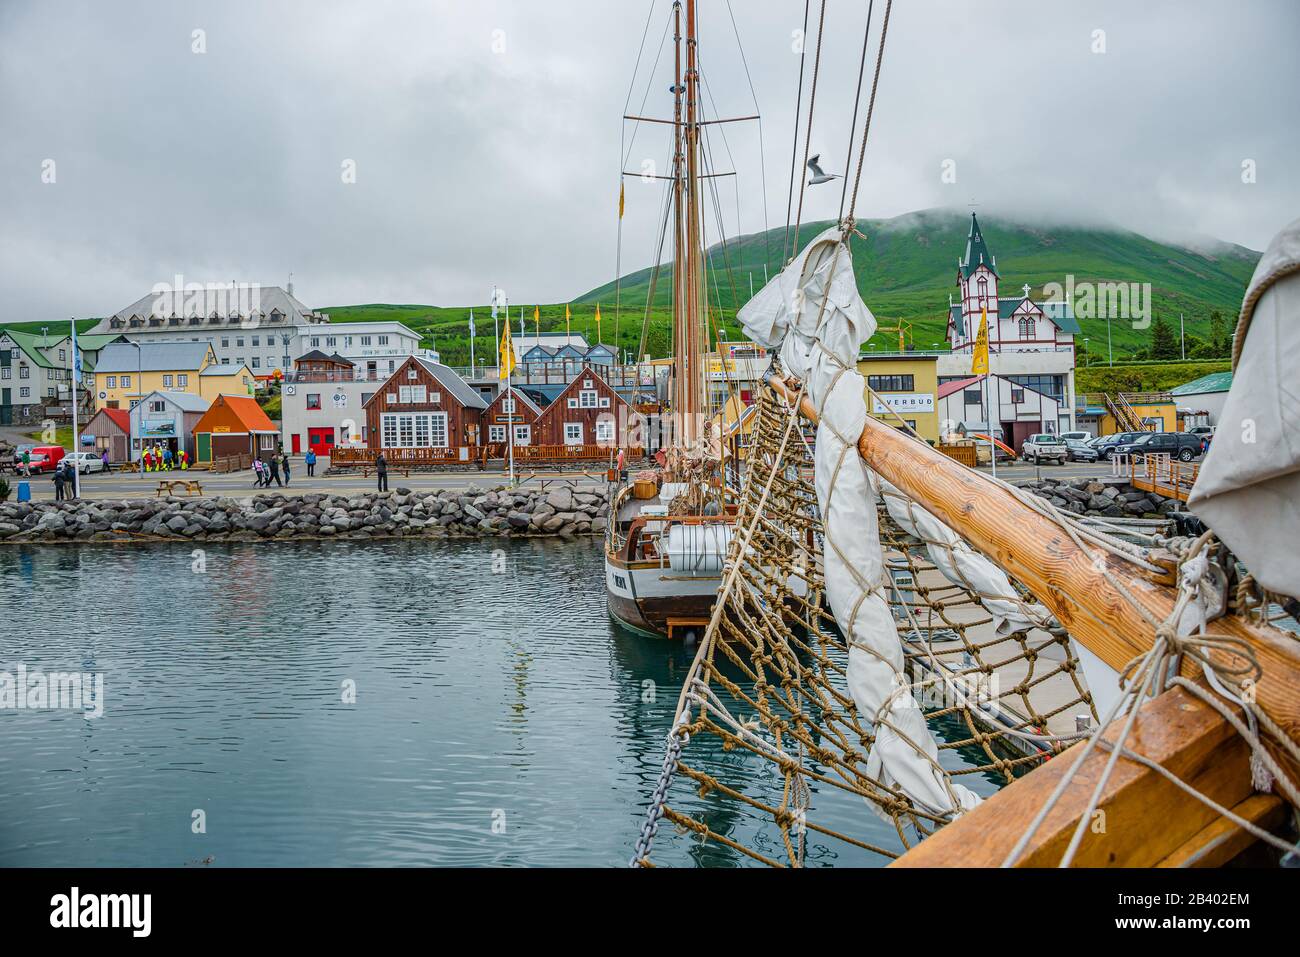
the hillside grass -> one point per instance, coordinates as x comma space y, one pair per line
1144, 376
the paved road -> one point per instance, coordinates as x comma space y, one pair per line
133, 485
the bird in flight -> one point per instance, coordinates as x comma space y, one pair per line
817, 175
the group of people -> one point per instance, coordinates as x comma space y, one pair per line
162, 459
268, 470
65, 480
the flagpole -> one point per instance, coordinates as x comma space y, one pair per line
76, 446
471, 343
988, 416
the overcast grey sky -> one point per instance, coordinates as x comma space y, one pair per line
488, 157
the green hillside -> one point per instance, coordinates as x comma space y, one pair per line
906, 268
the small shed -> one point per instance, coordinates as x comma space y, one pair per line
108, 429
164, 419
234, 425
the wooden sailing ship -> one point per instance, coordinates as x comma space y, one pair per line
668, 534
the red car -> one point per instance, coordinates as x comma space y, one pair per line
45, 457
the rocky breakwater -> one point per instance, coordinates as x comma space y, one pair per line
1085, 496
561, 511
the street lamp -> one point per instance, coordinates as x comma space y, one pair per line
139, 386
1086, 358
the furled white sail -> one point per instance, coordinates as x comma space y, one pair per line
1248, 489
813, 312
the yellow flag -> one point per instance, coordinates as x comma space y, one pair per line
537, 322
507, 360
981, 363
620, 200
566, 323
598, 322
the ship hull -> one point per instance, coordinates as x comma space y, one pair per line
658, 601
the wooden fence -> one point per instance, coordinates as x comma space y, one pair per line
1161, 474
965, 454
232, 463
342, 456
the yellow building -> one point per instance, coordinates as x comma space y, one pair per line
906, 383
125, 372
1104, 414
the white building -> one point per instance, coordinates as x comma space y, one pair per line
263, 327
1201, 401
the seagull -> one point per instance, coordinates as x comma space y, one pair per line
818, 176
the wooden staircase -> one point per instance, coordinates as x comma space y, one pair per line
1126, 418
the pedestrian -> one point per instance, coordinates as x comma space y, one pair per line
284, 463
58, 482
274, 472
310, 459
69, 479
381, 469
257, 473
104, 458
147, 456
27, 462
167, 458
185, 460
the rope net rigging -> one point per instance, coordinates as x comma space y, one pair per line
770, 685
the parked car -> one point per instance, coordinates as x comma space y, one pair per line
1044, 445
49, 455
1077, 436
1181, 445
1078, 450
1105, 445
1202, 430
87, 462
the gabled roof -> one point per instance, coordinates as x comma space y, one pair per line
89, 343
1214, 382
185, 401
235, 410
518, 394
153, 357
587, 372
223, 302
226, 368
119, 417
465, 394
317, 356
31, 346
948, 388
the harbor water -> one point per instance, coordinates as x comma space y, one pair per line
353, 704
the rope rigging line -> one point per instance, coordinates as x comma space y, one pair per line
794, 145
812, 105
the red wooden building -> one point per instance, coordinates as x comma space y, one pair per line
511, 409
424, 405
588, 412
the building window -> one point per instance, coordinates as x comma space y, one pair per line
588, 400
25, 392
523, 434
257, 362
315, 342
604, 430
972, 396
572, 433
63, 355
412, 374
329, 342
383, 340
1026, 328
347, 341
183, 381
225, 343
313, 401
239, 344
157, 405
496, 433
284, 360
167, 382
891, 383
110, 382
126, 382
268, 441
270, 362
365, 340
1017, 396
24, 372
412, 394
414, 430
257, 340
7, 372
508, 405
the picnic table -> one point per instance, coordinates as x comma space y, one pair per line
405, 470
190, 486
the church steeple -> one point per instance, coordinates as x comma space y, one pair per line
977, 252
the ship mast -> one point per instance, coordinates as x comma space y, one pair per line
688, 285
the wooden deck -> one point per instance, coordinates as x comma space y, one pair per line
1161, 474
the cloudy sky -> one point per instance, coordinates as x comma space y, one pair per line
486, 136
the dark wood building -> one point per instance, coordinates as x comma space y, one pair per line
424, 405
588, 412
511, 409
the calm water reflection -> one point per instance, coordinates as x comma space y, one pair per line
500, 717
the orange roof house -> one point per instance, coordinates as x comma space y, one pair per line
234, 425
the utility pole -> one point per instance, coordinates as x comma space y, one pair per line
1182, 341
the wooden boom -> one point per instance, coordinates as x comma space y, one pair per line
1081, 593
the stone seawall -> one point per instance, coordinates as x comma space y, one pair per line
1085, 496
560, 510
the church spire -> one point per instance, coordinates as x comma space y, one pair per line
977, 252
